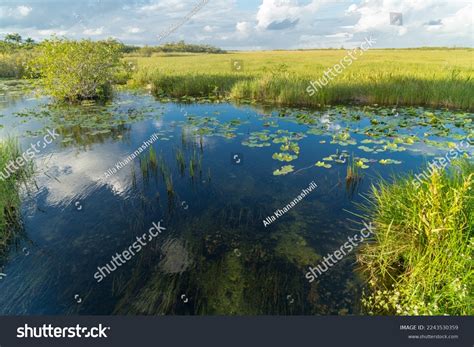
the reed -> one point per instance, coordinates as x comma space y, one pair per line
181, 160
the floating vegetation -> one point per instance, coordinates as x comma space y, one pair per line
91, 122
258, 139
283, 170
389, 161
323, 164
284, 157
358, 162
211, 126
365, 149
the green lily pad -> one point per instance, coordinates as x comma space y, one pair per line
284, 170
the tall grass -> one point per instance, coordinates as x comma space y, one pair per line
13, 64
9, 192
420, 262
437, 78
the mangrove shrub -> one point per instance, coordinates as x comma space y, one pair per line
77, 70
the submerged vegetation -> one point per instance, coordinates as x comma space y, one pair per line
437, 78
9, 192
420, 262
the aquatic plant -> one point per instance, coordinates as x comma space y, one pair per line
284, 170
169, 184
323, 164
144, 166
420, 262
352, 171
191, 168
284, 156
181, 161
153, 158
9, 191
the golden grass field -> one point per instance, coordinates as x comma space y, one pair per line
430, 77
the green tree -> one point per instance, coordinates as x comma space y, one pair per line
77, 70
13, 38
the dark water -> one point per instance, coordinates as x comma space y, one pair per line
215, 256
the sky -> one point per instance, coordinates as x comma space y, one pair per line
247, 24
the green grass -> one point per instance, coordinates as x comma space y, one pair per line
420, 262
427, 77
9, 192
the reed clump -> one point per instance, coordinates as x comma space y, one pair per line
420, 261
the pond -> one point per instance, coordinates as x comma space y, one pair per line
210, 174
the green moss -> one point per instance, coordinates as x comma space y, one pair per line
295, 249
223, 284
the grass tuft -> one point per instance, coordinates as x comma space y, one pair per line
420, 262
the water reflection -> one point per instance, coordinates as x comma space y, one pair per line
216, 256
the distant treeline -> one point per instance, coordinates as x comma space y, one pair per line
12, 42
180, 46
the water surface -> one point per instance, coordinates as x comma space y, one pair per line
215, 256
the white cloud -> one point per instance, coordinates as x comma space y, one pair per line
24, 10
237, 24
50, 32
278, 11
134, 30
209, 28
243, 28
94, 32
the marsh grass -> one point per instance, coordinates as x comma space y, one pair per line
10, 223
353, 177
153, 158
191, 168
169, 184
181, 161
420, 262
436, 78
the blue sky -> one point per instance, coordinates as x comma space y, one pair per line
247, 24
